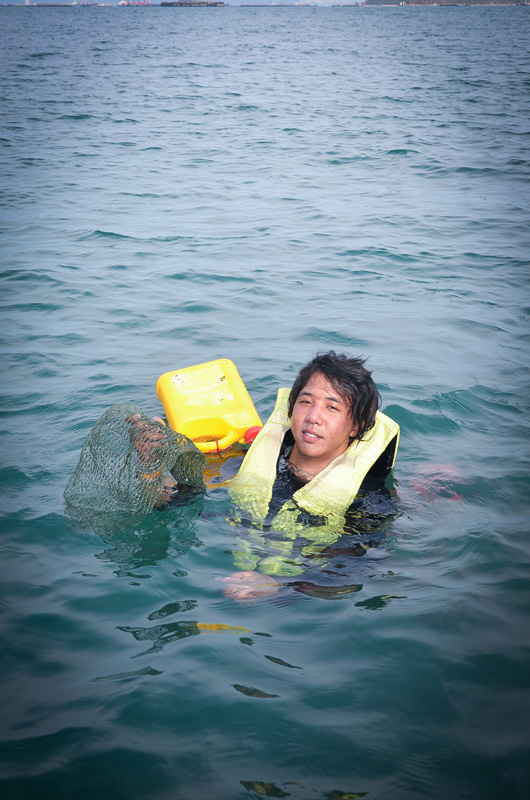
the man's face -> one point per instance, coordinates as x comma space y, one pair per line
321, 422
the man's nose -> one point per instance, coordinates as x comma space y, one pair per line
314, 415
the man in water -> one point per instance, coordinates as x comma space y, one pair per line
325, 443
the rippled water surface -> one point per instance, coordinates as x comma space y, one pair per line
259, 184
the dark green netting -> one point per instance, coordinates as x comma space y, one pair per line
126, 461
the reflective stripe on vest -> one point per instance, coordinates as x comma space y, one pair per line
328, 494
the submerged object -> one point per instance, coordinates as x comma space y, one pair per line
209, 404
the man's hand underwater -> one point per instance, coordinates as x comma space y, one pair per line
249, 586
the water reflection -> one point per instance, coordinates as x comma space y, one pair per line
159, 536
222, 467
173, 608
272, 790
379, 602
162, 635
128, 676
250, 691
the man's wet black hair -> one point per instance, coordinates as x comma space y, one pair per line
352, 381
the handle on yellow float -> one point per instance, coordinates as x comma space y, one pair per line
216, 445
227, 441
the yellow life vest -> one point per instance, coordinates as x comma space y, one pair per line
329, 494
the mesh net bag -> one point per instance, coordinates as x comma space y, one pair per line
126, 460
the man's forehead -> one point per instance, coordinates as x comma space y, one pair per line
333, 392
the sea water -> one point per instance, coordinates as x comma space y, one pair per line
260, 184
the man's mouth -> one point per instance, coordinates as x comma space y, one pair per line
310, 436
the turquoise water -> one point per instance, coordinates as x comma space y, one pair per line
259, 184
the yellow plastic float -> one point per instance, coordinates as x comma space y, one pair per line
209, 404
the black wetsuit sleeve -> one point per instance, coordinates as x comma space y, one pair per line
380, 470
373, 498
